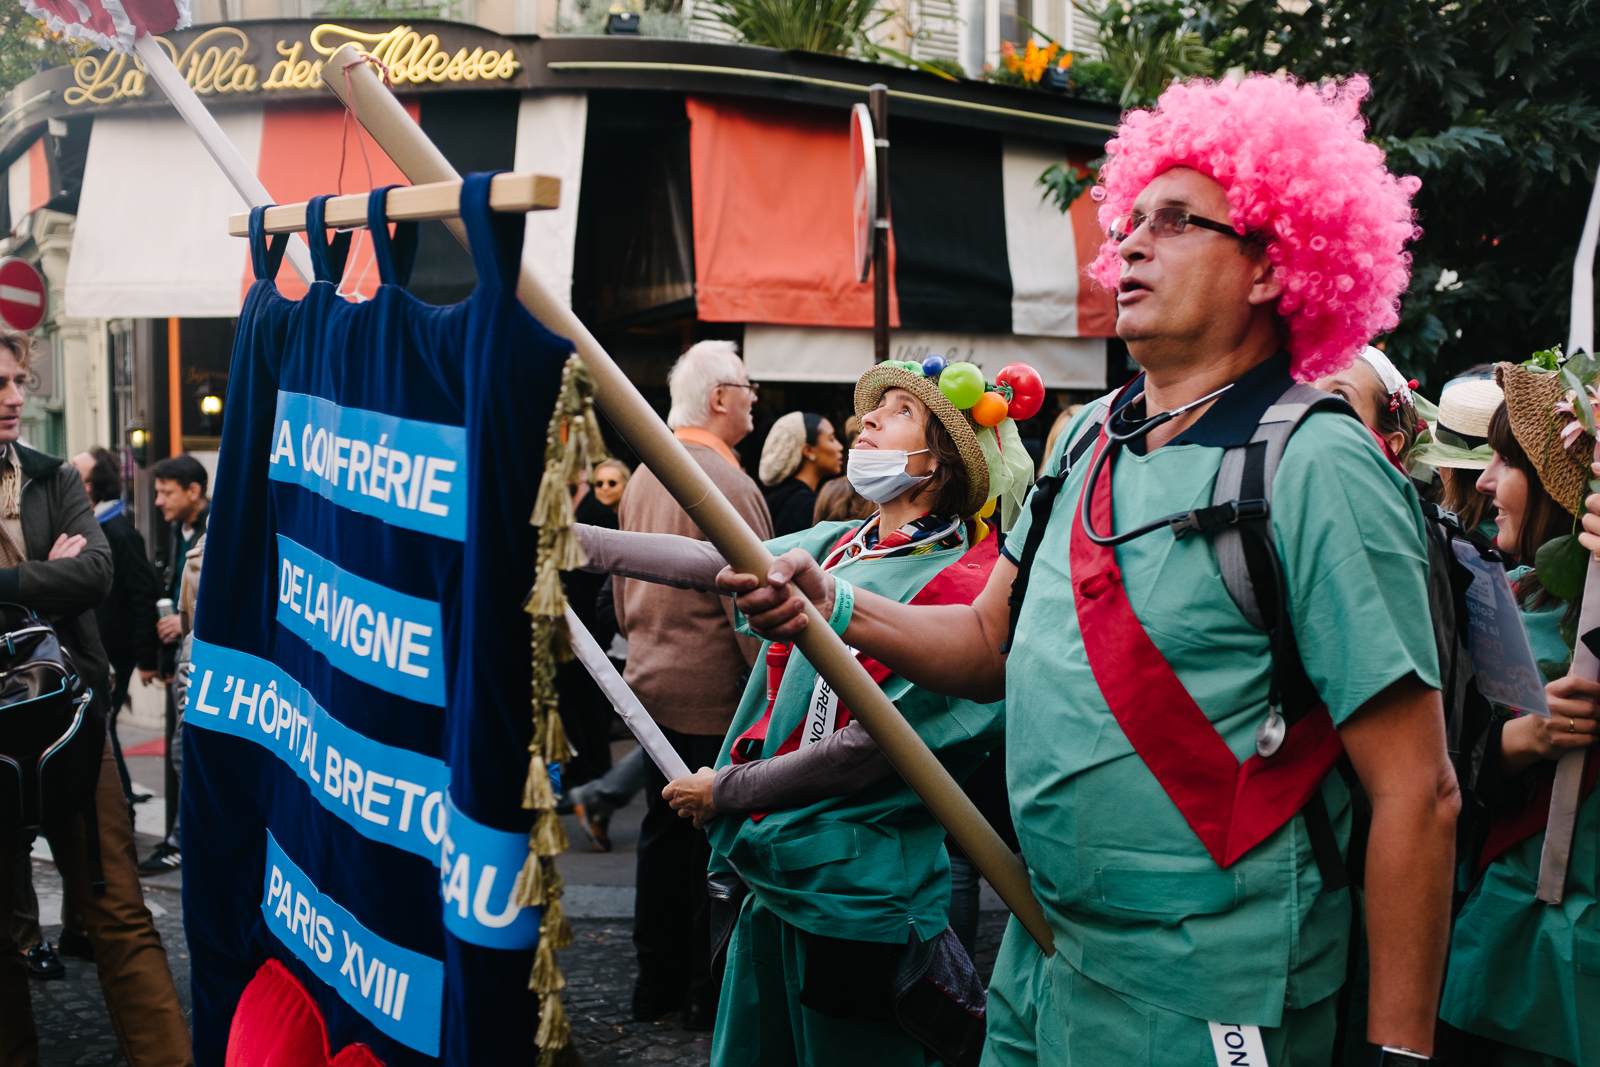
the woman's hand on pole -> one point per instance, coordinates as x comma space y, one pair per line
1574, 722
1589, 536
690, 796
776, 611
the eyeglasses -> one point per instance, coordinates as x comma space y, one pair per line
755, 390
609, 483
1168, 222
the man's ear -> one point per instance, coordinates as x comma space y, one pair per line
1266, 287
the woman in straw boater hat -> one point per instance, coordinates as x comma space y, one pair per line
847, 871
1544, 960
1458, 440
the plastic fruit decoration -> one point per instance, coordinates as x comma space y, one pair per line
962, 384
933, 366
990, 410
1027, 390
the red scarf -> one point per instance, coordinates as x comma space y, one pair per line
1231, 807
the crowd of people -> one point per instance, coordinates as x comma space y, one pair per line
1232, 722
1210, 665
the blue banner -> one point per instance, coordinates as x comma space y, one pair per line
388, 794
478, 867
407, 473
368, 631
400, 991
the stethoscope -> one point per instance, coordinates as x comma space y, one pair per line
1114, 441
833, 558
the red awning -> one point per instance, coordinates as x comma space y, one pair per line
773, 230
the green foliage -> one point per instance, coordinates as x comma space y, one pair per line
1495, 107
1063, 184
943, 65
1560, 565
1549, 359
1148, 43
1096, 80
833, 27
384, 9
28, 47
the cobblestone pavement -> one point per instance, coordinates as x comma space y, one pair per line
599, 969
70, 1014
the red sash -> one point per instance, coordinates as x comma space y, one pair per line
1231, 807
958, 583
1508, 831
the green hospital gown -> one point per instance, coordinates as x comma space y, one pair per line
870, 866
1153, 938
1545, 997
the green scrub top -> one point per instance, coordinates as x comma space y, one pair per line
1544, 628
1545, 960
870, 866
1137, 903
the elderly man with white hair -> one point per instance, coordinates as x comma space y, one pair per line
688, 667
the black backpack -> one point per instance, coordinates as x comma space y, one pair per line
52, 734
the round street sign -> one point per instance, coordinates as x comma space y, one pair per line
21, 294
864, 172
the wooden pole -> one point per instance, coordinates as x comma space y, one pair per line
878, 104
175, 387
421, 161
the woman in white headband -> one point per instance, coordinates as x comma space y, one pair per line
1382, 397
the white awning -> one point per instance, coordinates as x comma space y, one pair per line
826, 354
151, 239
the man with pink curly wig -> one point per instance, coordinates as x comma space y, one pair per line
1169, 738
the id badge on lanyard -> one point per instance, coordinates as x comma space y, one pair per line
822, 715
1237, 1046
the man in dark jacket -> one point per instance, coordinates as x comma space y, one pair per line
127, 618
43, 506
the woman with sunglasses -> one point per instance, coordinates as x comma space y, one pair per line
847, 871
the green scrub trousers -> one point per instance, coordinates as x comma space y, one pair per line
1050, 1015
760, 1019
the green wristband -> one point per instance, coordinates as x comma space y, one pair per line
844, 603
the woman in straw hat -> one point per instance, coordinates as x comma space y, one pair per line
1458, 442
800, 453
1545, 961
847, 870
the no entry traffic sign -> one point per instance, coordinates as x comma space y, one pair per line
21, 294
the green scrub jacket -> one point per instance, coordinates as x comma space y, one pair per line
1138, 906
870, 866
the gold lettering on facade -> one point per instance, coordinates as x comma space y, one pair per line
417, 58
214, 62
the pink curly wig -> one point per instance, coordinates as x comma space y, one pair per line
1297, 168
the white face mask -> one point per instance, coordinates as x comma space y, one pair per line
879, 474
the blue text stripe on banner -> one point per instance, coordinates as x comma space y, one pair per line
408, 473
368, 631
389, 794
401, 991
478, 869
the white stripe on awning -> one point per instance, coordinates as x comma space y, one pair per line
1039, 243
829, 354
550, 139
151, 239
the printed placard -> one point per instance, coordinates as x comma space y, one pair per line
1237, 1046
408, 473
1507, 673
400, 991
478, 868
388, 794
368, 631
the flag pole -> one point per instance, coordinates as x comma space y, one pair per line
224, 151
420, 160
1565, 791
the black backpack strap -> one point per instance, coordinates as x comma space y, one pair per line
1042, 504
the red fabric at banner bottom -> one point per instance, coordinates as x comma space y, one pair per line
277, 1024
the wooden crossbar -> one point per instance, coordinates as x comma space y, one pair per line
514, 193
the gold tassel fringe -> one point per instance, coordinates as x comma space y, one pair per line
556, 929
549, 839
528, 889
554, 1032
